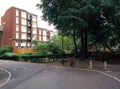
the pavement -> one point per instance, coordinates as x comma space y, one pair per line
112, 69
98, 65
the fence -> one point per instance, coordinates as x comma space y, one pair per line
23, 50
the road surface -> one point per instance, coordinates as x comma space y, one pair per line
20, 75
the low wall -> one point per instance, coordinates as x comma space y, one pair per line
23, 50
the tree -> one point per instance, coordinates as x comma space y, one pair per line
98, 19
67, 43
59, 12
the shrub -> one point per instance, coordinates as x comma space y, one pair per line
10, 56
5, 49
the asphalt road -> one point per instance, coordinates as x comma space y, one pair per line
39, 76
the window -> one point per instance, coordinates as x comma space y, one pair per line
44, 38
23, 36
28, 38
34, 24
40, 38
23, 28
44, 32
34, 18
24, 14
34, 31
17, 27
23, 21
28, 44
16, 43
34, 37
23, 43
17, 35
39, 32
29, 23
29, 31
17, 20
17, 12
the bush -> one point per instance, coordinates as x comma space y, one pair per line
10, 56
5, 49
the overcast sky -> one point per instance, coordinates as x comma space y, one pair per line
28, 5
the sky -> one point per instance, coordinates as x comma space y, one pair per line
29, 6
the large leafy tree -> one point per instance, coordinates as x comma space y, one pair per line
97, 19
66, 17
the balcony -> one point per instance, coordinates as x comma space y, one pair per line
29, 32
28, 38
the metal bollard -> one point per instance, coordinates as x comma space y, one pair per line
91, 65
105, 65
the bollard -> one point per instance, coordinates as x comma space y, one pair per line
105, 65
77, 63
91, 65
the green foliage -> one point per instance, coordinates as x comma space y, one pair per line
28, 54
47, 48
5, 49
10, 56
97, 19
67, 43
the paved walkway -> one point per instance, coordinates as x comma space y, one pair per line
112, 69
86, 64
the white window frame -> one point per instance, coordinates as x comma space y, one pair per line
16, 43
40, 38
34, 31
17, 34
34, 24
40, 32
23, 35
34, 37
23, 28
17, 12
44, 32
34, 18
17, 27
44, 38
17, 20
23, 21
23, 43
23, 14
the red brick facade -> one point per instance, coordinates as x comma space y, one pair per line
21, 28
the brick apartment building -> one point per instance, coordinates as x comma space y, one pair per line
44, 35
20, 28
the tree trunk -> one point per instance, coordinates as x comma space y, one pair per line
84, 44
74, 40
96, 54
62, 43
